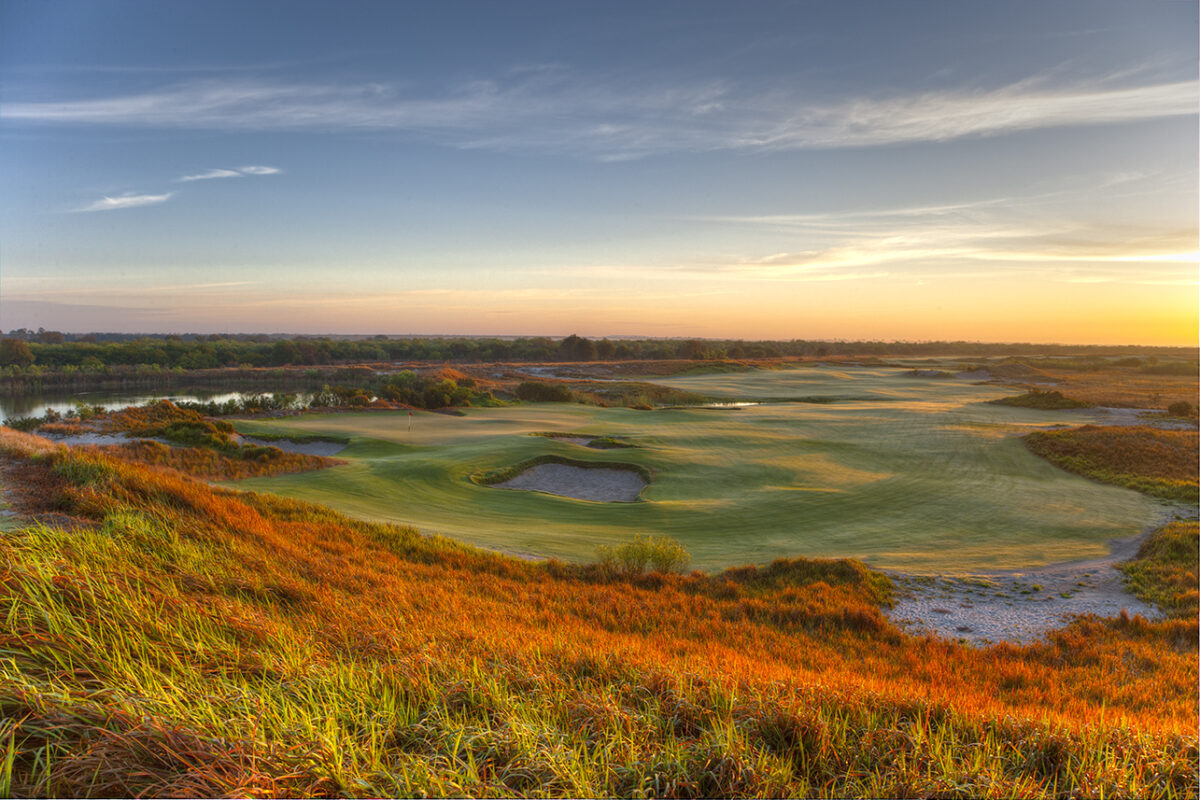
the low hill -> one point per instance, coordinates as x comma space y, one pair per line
161, 637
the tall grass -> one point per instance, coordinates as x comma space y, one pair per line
1164, 572
656, 553
183, 640
1162, 463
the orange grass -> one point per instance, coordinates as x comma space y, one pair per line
212, 465
1159, 462
496, 676
1127, 386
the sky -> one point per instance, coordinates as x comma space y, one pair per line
1012, 172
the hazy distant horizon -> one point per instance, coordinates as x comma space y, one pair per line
598, 337
1009, 172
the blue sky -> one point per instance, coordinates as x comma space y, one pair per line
1000, 172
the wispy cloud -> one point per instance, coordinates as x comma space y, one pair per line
212, 173
1000, 236
126, 201
555, 110
240, 172
133, 291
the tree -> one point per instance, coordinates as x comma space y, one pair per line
15, 353
49, 337
577, 348
284, 352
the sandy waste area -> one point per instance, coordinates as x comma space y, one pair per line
1019, 607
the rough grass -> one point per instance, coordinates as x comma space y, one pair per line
656, 553
201, 462
1041, 399
1164, 572
185, 641
1130, 386
1162, 463
202, 643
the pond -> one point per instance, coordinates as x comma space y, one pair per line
36, 405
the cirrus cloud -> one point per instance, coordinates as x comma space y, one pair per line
240, 172
126, 201
558, 111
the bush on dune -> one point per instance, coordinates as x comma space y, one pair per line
1036, 398
656, 553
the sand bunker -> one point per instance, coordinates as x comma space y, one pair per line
601, 484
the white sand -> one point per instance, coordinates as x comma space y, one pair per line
600, 484
1020, 607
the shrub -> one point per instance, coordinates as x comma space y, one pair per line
659, 553
1035, 398
539, 392
1181, 409
14, 352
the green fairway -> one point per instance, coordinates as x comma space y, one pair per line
904, 472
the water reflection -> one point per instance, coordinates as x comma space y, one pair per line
36, 405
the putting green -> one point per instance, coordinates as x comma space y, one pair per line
909, 473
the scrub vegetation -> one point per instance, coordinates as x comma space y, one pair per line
1164, 572
162, 637
1157, 462
1041, 399
211, 464
167, 435
654, 553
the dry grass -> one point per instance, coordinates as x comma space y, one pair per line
1159, 462
202, 642
1164, 571
213, 465
1127, 387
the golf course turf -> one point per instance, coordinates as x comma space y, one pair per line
912, 474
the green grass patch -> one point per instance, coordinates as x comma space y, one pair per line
1164, 571
859, 479
593, 441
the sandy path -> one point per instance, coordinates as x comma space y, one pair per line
1018, 607
600, 484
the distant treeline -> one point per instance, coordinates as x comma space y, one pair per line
49, 350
